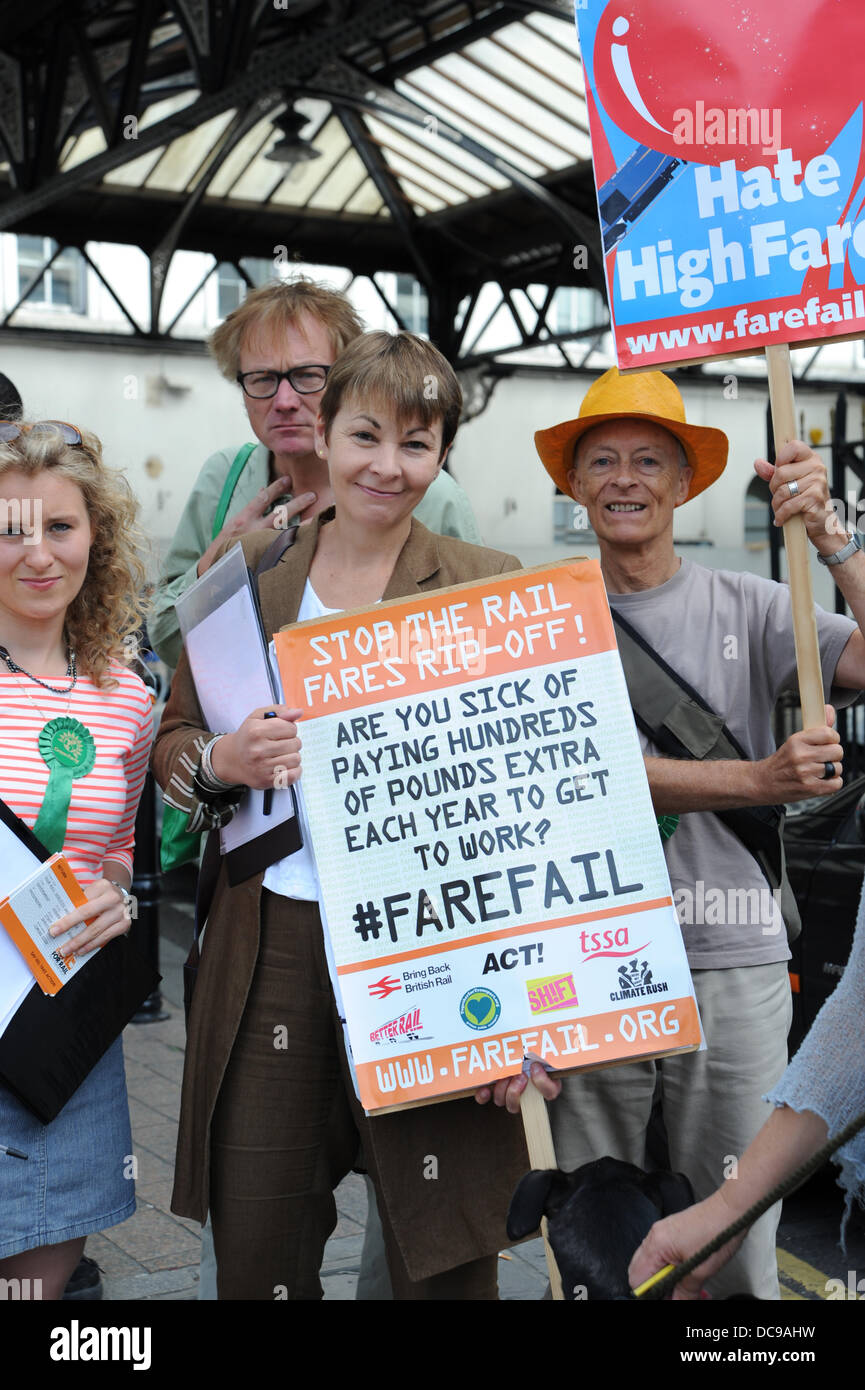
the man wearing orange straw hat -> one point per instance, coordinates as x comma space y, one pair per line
630, 459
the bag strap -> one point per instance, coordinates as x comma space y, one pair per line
237, 467
679, 721
668, 710
211, 859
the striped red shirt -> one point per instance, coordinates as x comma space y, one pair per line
104, 803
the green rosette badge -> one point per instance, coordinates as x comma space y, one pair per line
667, 826
67, 746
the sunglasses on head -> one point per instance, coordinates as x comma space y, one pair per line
11, 429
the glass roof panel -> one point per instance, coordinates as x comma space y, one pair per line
184, 156
423, 200
548, 53
564, 110
517, 117
518, 93
367, 199
244, 152
472, 118
81, 147
429, 151
167, 107
134, 174
435, 187
301, 180
339, 185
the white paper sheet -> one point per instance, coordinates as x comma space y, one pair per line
17, 862
229, 665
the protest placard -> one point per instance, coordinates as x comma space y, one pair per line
492, 873
728, 167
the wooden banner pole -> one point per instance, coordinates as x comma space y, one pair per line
797, 546
542, 1154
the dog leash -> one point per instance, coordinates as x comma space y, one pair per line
666, 1279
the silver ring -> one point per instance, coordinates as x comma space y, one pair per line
794, 488
828, 772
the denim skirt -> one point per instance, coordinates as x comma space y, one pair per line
78, 1175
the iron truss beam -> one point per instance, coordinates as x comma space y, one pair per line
340, 83
286, 63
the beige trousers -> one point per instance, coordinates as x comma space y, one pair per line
712, 1104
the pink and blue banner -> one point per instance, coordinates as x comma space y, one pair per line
729, 165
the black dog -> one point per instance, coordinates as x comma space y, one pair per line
597, 1217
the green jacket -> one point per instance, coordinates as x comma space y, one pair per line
445, 509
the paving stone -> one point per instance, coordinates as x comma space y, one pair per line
169, 1283
109, 1256
142, 1115
159, 1093
189, 1258
345, 1226
351, 1198
158, 1139
343, 1252
150, 1234
152, 1170
339, 1287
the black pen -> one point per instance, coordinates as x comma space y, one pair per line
13, 1153
268, 795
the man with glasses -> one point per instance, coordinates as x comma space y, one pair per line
278, 345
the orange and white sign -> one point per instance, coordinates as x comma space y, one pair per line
30, 912
490, 861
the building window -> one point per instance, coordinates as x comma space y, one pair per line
64, 284
411, 304
757, 502
576, 309
232, 287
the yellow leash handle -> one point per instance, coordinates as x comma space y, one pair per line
643, 1288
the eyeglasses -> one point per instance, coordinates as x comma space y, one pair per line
304, 380
11, 429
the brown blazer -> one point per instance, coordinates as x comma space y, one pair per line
480, 1150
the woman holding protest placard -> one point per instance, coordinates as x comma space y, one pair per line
75, 733
268, 1129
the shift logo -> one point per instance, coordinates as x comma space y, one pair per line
636, 981
550, 993
480, 1009
406, 1028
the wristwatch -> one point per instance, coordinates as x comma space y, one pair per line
855, 543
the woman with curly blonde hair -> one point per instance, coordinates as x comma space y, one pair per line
75, 734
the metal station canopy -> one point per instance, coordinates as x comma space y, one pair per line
446, 141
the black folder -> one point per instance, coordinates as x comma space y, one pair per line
52, 1042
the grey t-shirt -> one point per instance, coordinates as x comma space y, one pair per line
730, 636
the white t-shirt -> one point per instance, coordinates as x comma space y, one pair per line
295, 876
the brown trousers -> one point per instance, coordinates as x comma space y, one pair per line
287, 1128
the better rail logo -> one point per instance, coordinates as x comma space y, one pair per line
406, 1028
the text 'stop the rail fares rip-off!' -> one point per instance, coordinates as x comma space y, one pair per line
728, 158
492, 873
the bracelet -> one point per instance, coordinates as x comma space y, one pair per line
130, 902
210, 789
212, 781
855, 543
